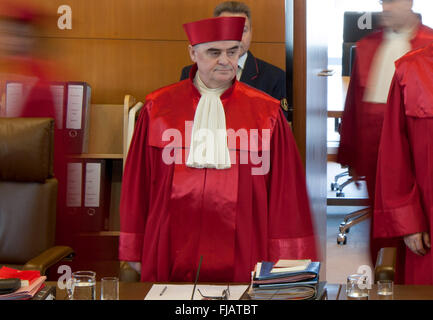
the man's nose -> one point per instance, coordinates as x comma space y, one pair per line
223, 58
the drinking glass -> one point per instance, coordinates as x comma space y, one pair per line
385, 289
110, 288
82, 285
357, 287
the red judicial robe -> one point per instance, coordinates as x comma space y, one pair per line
172, 214
362, 121
404, 186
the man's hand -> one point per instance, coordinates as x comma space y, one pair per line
418, 243
136, 266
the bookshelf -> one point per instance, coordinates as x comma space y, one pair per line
108, 125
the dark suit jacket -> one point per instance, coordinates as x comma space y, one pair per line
258, 74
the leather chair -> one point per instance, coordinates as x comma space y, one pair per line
28, 195
353, 33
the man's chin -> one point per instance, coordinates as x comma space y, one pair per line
224, 80
221, 75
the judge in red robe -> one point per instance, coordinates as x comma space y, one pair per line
367, 94
177, 207
20, 63
404, 187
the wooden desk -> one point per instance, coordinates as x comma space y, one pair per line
139, 290
401, 292
337, 91
333, 291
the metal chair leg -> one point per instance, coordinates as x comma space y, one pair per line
350, 221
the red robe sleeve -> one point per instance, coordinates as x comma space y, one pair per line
398, 210
291, 232
135, 192
347, 151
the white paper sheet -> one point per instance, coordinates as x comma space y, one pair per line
74, 108
184, 291
93, 185
73, 184
14, 99
58, 92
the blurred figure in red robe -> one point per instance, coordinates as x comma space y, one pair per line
22, 63
213, 171
367, 95
404, 186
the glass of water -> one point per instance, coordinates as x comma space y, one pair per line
110, 288
385, 289
357, 287
82, 285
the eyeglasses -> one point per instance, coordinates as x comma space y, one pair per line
225, 295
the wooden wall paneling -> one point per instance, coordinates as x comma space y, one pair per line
118, 67
156, 20
137, 46
106, 129
274, 52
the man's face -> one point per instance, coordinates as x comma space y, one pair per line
217, 62
395, 13
248, 32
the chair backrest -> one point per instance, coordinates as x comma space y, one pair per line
356, 26
28, 190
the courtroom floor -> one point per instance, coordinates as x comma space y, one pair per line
343, 260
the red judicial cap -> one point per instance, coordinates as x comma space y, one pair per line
215, 29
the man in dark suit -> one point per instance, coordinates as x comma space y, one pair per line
251, 70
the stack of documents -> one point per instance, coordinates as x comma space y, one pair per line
285, 280
31, 283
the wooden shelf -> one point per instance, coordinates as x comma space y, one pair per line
348, 202
335, 114
97, 156
100, 234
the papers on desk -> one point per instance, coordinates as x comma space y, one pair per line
291, 280
31, 283
184, 291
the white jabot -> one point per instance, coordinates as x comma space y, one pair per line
241, 65
394, 46
208, 147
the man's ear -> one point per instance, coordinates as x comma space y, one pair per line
191, 51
